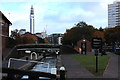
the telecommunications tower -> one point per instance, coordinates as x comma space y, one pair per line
32, 20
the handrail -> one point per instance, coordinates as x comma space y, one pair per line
35, 55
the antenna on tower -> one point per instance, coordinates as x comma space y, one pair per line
45, 29
9, 15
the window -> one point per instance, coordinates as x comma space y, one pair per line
2, 24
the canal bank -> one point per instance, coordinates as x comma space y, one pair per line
76, 70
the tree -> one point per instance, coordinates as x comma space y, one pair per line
80, 31
28, 40
99, 34
67, 39
16, 37
112, 35
40, 40
14, 34
82, 24
101, 29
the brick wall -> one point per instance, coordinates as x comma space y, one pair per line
88, 45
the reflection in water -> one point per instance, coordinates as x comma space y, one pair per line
49, 63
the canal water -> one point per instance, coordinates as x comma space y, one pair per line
47, 64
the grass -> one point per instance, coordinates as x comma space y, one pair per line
89, 62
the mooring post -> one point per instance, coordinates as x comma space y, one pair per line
62, 73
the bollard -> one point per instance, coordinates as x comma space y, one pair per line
62, 73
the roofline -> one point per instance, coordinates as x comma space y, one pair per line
3, 16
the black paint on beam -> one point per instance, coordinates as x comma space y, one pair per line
29, 73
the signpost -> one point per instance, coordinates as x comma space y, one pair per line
96, 54
96, 44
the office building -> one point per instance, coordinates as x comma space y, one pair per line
114, 14
55, 38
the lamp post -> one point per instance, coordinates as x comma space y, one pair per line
84, 47
84, 40
28, 52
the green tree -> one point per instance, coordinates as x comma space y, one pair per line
82, 24
16, 37
101, 29
28, 40
112, 35
99, 34
80, 31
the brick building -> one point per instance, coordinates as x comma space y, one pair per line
79, 45
4, 29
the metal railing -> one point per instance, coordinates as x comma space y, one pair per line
34, 54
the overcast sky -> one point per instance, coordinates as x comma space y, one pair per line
55, 16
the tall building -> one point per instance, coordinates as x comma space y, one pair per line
114, 14
55, 38
32, 20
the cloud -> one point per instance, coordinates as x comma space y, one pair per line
58, 16
56, 0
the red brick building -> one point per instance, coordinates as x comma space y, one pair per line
78, 47
4, 30
4, 34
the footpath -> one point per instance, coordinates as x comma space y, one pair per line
76, 70
112, 69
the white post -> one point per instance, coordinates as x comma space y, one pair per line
62, 68
62, 73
